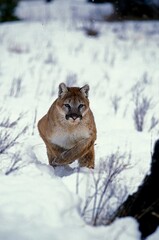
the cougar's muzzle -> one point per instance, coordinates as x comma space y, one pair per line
74, 116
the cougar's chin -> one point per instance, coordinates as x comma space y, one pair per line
74, 122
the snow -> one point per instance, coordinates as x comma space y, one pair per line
48, 47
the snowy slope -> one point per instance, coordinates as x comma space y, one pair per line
50, 46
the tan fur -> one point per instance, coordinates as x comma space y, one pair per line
68, 129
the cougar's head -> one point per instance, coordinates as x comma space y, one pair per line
73, 102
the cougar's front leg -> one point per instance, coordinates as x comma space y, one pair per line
53, 151
88, 159
78, 151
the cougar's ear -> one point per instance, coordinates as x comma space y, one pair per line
62, 90
85, 90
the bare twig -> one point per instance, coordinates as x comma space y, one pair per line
16, 87
142, 105
115, 103
102, 189
8, 135
7, 141
34, 121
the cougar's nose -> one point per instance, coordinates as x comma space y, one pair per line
74, 116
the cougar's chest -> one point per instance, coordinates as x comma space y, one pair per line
68, 139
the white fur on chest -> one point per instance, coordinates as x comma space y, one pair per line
68, 140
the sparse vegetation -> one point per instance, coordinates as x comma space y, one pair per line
15, 164
16, 87
104, 190
143, 104
115, 100
18, 48
8, 138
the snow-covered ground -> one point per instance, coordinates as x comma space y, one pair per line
51, 46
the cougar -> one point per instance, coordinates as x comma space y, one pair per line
68, 129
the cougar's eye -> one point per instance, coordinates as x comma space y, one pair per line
67, 105
81, 106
